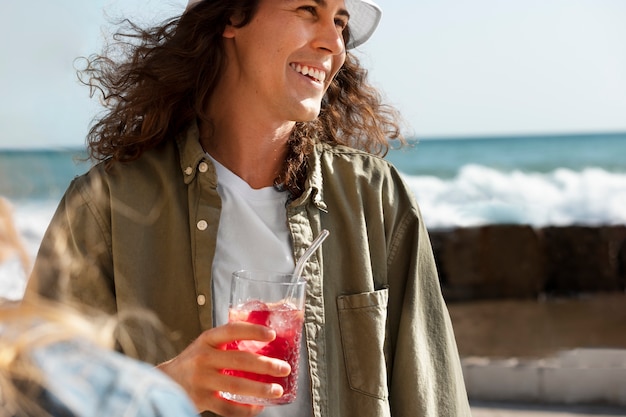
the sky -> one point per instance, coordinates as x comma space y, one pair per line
453, 68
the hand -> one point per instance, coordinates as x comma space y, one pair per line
198, 369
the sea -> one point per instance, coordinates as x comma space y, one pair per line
549, 180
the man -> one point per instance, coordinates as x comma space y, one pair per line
234, 135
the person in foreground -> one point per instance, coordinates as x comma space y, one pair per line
13, 254
234, 134
57, 362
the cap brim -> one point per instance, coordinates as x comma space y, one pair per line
364, 18
192, 3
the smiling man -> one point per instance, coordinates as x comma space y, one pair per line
233, 135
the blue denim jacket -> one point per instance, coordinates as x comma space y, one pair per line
83, 380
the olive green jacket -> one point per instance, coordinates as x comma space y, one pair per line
380, 341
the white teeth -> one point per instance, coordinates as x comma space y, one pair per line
311, 72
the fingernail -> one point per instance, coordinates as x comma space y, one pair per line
276, 390
284, 368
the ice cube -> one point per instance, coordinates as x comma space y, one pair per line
253, 305
285, 320
284, 306
253, 311
259, 317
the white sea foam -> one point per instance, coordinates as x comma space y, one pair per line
479, 195
12, 279
31, 220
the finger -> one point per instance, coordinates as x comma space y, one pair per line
228, 408
222, 335
249, 362
247, 387
240, 386
206, 396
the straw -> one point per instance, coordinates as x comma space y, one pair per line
314, 245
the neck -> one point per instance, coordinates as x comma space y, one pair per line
254, 151
245, 135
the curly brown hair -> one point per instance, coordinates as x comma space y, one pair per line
152, 88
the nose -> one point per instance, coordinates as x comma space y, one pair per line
329, 37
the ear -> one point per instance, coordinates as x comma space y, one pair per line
231, 28
229, 31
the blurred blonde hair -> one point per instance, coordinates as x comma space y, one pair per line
10, 242
24, 327
28, 325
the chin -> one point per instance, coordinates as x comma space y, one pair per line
308, 114
307, 119
305, 110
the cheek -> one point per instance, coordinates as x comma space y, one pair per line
337, 64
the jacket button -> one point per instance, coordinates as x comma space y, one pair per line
188, 170
201, 300
202, 225
203, 167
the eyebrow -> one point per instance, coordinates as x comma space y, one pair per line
324, 3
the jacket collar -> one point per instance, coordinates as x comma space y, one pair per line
313, 186
192, 154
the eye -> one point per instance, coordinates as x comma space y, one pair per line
341, 22
309, 9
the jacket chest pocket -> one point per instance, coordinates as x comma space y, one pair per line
362, 323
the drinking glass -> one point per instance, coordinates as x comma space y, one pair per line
275, 300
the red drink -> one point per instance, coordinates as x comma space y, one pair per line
287, 321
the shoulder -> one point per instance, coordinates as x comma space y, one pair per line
353, 167
163, 158
108, 179
338, 154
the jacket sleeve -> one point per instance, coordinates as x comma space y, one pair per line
425, 376
166, 401
74, 261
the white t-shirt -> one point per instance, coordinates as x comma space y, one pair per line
253, 234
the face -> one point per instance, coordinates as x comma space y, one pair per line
283, 61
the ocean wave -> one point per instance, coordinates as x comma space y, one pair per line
480, 195
31, 220
477, 195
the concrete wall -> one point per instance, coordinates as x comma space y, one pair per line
516, 261
539, 314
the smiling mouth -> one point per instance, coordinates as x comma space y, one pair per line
313, 73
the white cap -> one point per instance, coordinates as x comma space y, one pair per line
364, 18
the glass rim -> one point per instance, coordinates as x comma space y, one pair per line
264, 276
